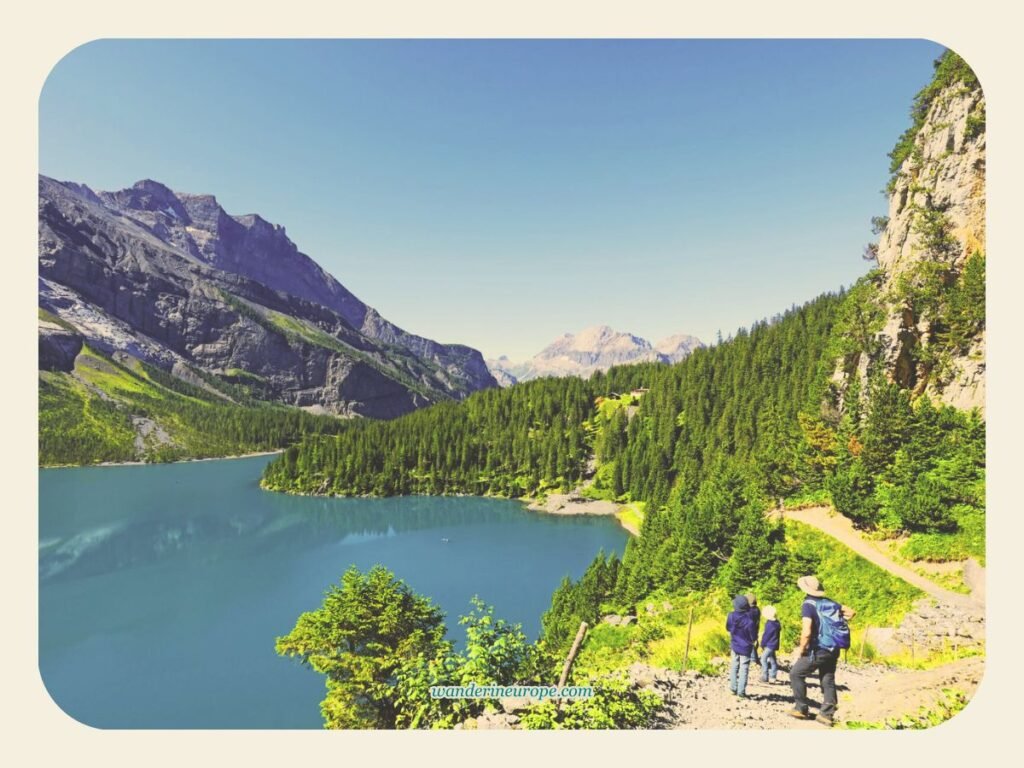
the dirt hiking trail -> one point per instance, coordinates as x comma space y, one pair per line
867, 692
841, 529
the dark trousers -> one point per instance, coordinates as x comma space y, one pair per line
823, 663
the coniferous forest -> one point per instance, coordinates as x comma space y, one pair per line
715, 442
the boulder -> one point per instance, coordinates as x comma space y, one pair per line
494, 721
58, 347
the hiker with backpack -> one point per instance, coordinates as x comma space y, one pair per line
742, 636
824, 634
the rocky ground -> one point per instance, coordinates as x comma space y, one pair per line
870, 693
573, 503
867, 693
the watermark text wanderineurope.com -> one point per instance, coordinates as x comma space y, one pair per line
541, 692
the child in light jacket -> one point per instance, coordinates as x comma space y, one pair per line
770, 645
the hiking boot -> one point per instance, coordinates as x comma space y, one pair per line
799, 715
825, 720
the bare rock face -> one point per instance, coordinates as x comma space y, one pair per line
174, 280
943, 175
677, 347
58, 347
947, 175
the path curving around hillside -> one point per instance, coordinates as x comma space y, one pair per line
840, 528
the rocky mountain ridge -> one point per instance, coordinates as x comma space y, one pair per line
927, 328
596, 348
175, 281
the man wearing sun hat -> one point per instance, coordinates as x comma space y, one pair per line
818, 650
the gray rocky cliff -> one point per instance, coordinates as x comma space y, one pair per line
935, 225
58, 347
174, 280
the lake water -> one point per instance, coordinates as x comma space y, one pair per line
162, 588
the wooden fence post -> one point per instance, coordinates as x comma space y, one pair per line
689, 629
570, 658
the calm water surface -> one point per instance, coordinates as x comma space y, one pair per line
162, 588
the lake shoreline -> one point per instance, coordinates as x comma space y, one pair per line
575, 505
553, 504
162, 463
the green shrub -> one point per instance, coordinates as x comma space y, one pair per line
975, 123
967, 541
615, 704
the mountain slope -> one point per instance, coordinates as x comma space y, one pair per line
174, 281
923, 310
252, 247
597, 348
94, 408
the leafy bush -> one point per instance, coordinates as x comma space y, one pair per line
615, 704
975, 123
496, 653
382, 648
967, 541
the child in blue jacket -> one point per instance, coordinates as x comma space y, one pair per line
742, 637
770, 645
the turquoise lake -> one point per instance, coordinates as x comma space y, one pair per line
163, 587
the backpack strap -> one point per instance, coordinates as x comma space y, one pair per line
813, 601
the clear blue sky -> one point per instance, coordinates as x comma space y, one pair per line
501, 193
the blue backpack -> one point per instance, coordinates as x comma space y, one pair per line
833, 631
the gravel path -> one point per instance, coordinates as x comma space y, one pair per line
869, 693
841, 528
